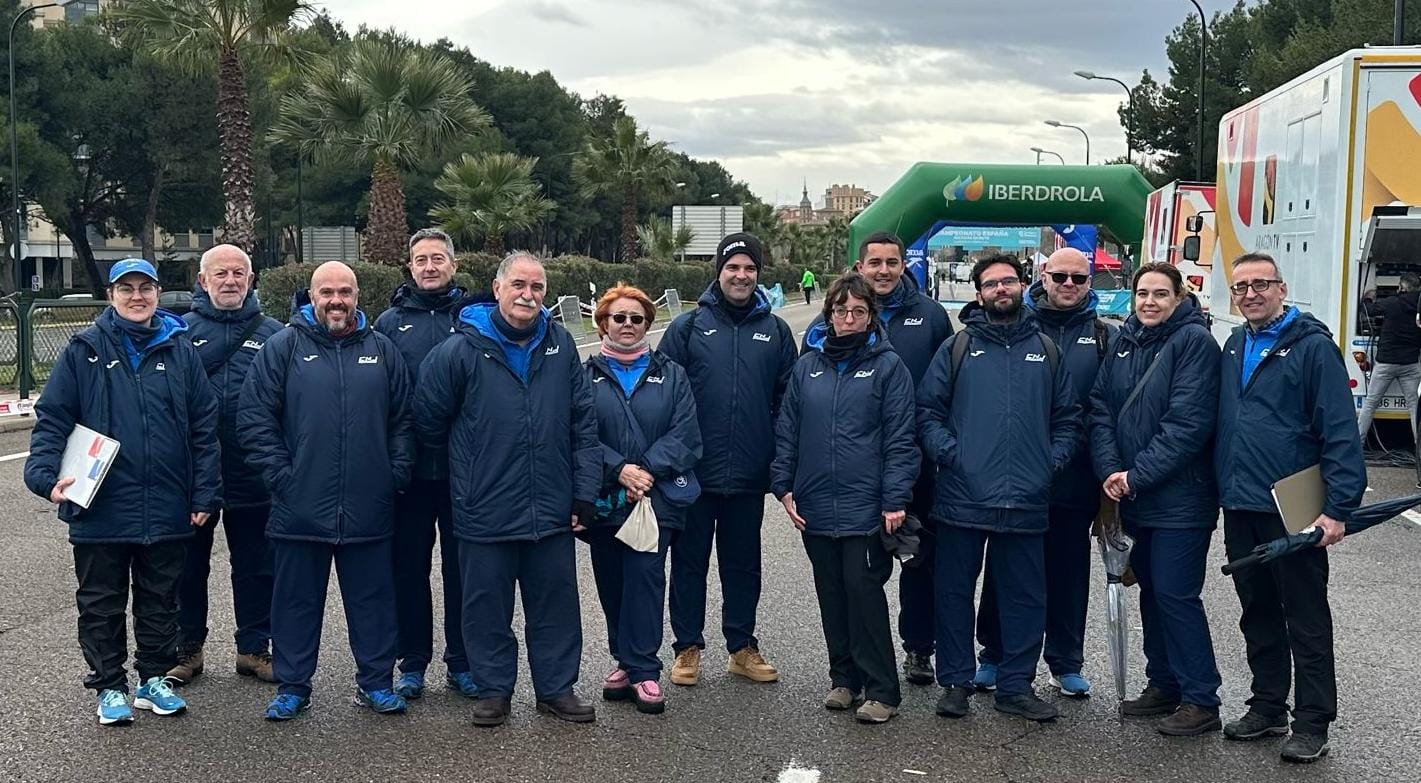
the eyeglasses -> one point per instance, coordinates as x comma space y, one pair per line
843, 313
1060, 278
636, 318
1005, 282
124, 289
1260, 285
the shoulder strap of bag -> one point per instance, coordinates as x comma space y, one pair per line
631, 415
249, 329
961, 344
1140, 385
1053, 354
1102, 340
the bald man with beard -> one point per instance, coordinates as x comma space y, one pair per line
326, 414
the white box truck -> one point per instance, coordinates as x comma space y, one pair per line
1324, 174
1168, 213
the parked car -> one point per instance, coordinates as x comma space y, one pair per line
177, 302
45, 315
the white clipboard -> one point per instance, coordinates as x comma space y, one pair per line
88, 455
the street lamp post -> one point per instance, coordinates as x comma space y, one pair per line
680, 189
1203, 50
22, 332
1399, 23
1039, 152
1055, 124
1130, 113
300, 213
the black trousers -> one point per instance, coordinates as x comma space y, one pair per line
849, 575
732, 523
105, 573
245, 529
916, 622
421, 511
1286, 624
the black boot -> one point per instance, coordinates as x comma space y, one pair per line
918, 669
1152, 701
1255, 725
492, 711
1190, 720
570, 707
954, 702
1304, 748
1026, 705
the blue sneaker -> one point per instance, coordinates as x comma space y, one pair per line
287, 706
463, 682
410, 685
157, 695
114, 709
986, 677
383, 701
1072, 684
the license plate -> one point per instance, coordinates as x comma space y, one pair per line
1387, 403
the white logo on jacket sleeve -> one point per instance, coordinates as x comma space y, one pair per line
552, 351
253, 344
406, 327
864, 374
912, 322
1123, 354
599, 379
112, 364
1284, 352
93, 359
658, 379
709, 332
160, 367
1036, 357
310, 358
198, 343
1085, 341
816, 373
977, 353
762, 337
368, 360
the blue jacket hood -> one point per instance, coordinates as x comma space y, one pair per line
974, 319
1186, 313
303, 315
1052, 317
819, 332
409, 295
712, 297
169, 325
479, 315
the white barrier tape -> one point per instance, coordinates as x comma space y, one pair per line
17, 407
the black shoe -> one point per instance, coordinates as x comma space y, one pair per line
1255, 725
1152, 701
1190, 720
918, 669
1026, 705
569, 707
954, 702
1304, 748
492, 711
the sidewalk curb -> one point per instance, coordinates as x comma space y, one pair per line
17, 423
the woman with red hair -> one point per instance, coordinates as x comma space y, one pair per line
646, 421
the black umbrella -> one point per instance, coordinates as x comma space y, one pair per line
1363, 518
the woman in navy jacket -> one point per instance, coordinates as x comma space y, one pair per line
639, 459
846, 458
1153, 411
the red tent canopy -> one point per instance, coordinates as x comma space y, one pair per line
1104, 260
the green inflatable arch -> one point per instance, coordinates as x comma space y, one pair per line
1112, 197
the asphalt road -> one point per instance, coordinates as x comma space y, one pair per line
725, 729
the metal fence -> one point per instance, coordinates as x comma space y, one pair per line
34, 333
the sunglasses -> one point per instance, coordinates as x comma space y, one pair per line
1060, 278
636, 318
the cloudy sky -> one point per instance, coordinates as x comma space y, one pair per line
832, 91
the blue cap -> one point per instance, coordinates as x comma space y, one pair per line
129, 266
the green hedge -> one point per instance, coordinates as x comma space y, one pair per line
567, 275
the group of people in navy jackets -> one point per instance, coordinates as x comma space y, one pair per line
473, 422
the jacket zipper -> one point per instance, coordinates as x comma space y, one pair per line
833, 436
340, 487
734, 387
147, 453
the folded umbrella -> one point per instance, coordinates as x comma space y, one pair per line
1363, 518
1115, 548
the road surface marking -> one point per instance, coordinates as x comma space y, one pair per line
13, 457
797, 774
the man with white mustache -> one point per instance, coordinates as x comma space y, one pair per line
326, 413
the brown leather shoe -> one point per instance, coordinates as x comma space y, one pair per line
1189, 720
256, 665
686, 670
189, 666
750, 664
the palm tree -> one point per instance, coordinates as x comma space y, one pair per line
490, 195
658, 241
384, 103
195, 35
626, 164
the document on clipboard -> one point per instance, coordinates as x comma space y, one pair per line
87, 458
1299, 498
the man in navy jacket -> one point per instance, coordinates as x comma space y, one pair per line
420, 317
134, 377
1284, 405
1065, 310
999, 434
227, 328
916, 326
508, 396
326, 413
738, 355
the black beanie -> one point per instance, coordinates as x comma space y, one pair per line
737, 243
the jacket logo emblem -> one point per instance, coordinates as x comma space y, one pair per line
1284, 352
1263, 354
406, 327
1085, 341
112, 364
864, 373
312, 357
709, 332
160, 367
553, 351
1036, 357
1122, 354
977, 353
198, 343
764, 338
816, 374
368, 360
253, 344
93, 359
681, 482
912, 322
658, 380
599, 379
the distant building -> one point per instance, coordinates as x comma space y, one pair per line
843, 201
